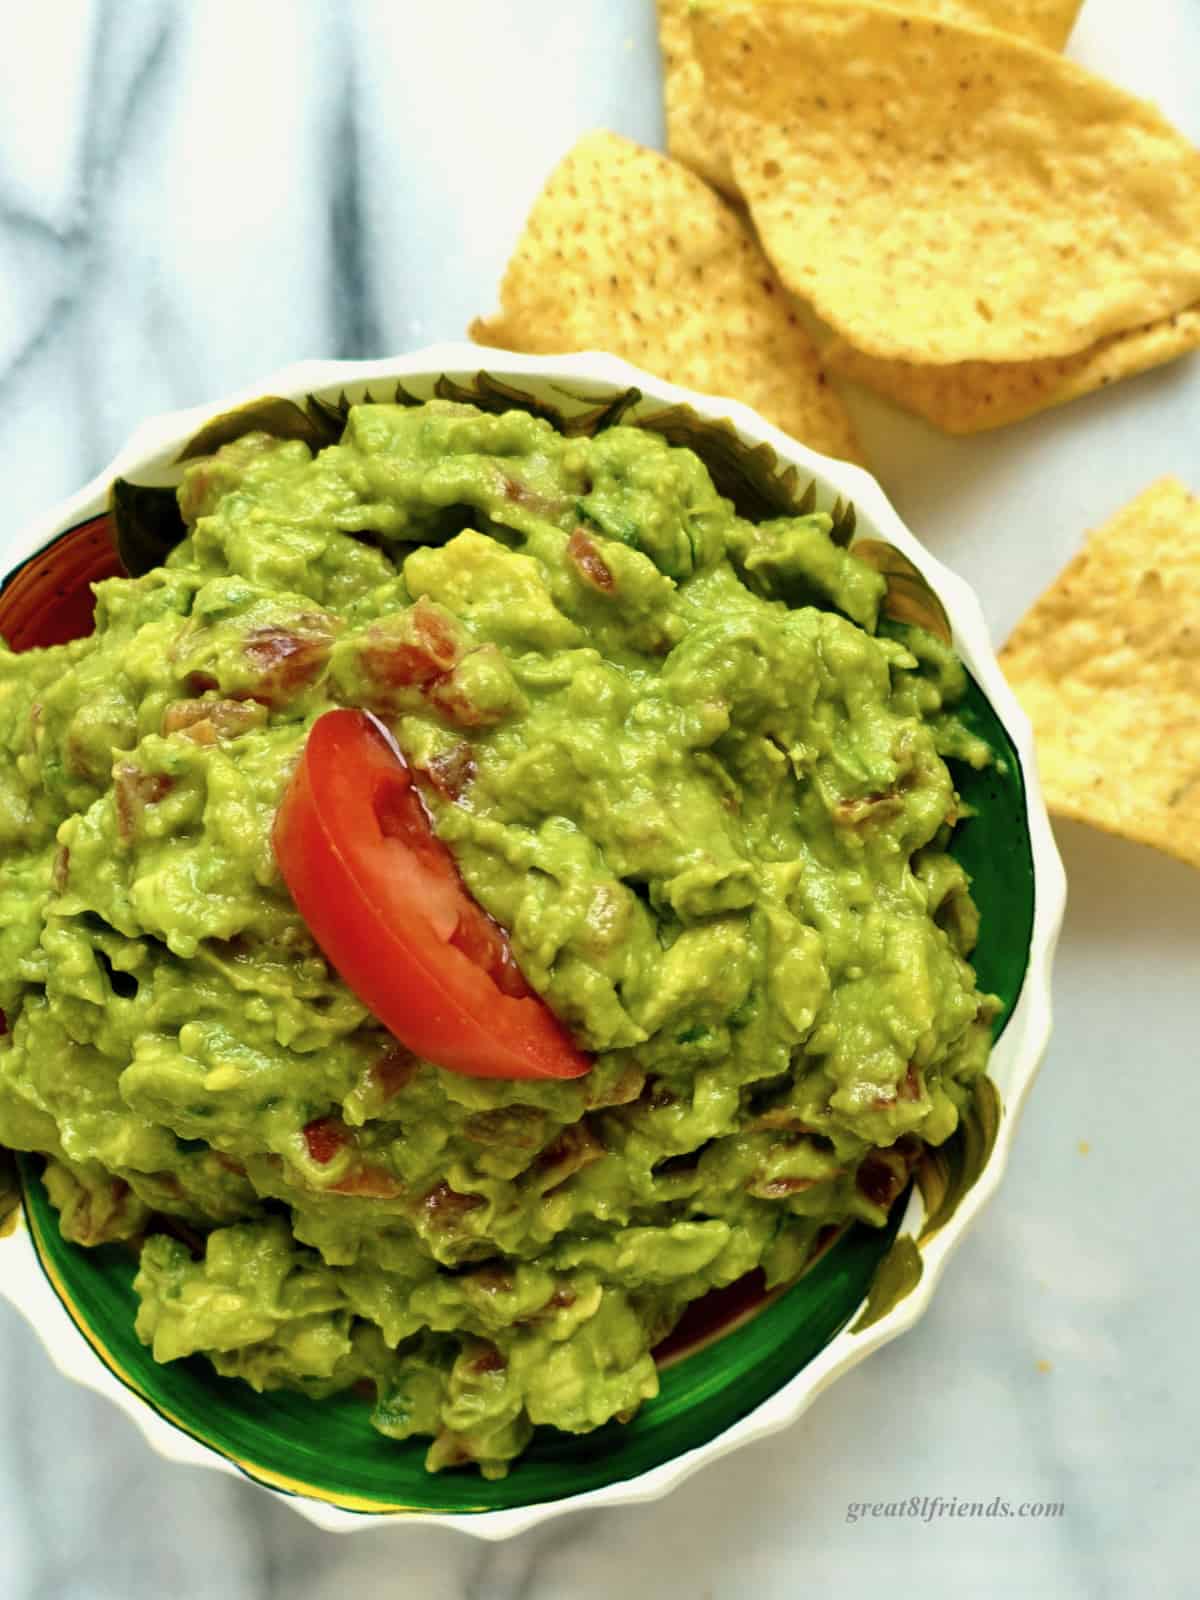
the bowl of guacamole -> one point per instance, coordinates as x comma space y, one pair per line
526, 927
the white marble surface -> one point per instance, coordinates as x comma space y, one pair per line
194, 193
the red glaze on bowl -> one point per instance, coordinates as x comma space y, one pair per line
49, 600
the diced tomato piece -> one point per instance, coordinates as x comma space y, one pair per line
133, 791
417, 647
288, 660
394, 1071
325, 1138
589, 563
452, 773
369, 1183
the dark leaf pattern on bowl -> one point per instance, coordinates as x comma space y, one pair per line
147, 524
909, 597
10, 1192
896, 1276
946, 1172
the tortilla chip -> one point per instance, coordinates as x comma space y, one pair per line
1107, 664
1045, 22
942, 193
629, 252
969, 396
694, 126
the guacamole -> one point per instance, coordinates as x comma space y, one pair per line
678, 757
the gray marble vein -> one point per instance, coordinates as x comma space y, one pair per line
194, 192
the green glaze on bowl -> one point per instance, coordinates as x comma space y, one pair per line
329, 1450
994, 846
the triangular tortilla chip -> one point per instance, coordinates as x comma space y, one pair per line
1044, 22
942, 193
629, 252
971, 395
1107, 664
694, 126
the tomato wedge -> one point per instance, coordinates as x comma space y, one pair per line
383, 899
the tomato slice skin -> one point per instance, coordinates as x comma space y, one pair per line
383, 899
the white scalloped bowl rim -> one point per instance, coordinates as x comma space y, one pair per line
1017, 1056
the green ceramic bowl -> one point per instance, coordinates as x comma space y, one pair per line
747, 1365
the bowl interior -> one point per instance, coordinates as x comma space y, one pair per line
330, 1452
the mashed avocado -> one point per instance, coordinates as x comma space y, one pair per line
677, 757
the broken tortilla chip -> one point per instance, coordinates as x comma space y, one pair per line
694, 125
629, 252
1107, 664
969, 396
942, 193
